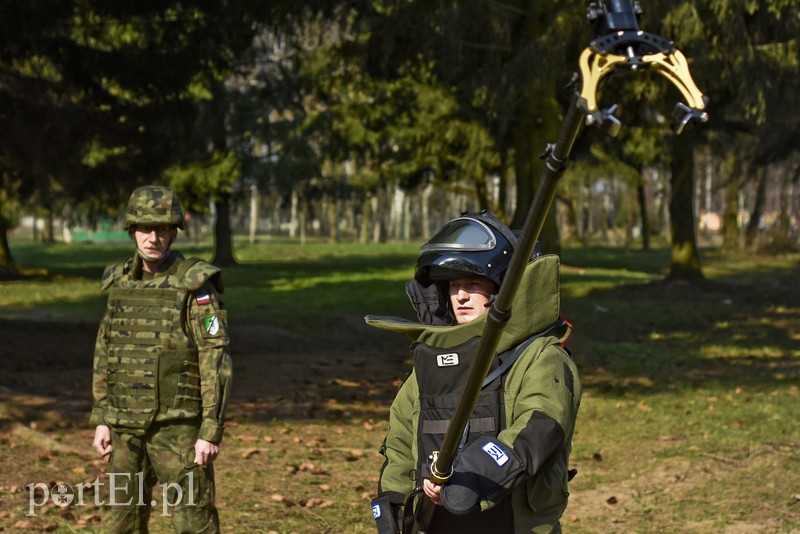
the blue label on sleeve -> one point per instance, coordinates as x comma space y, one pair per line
498, 455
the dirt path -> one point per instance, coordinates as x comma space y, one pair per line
54, 358
45, 398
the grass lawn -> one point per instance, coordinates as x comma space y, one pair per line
687, 423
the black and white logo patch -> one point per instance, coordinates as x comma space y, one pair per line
496, 452
447, 360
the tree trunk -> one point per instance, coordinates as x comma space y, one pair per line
643, 213
407, 218
537, 125
223, 241
501, 210
303, 222
585, 227
294, 215
349, 216
630, 213
374, 203
8, 269
426, 210
49, 225
685, 254
605, 214
253, 212
661, 195
332, 206
758, 207
366, 218
396, 214
277, 203
482, 192
791, 175
730, 214
569, 219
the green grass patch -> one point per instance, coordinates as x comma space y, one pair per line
281, 282
687, 423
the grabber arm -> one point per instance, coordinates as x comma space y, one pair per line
675, 68
634, 49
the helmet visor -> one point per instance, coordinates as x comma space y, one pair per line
461, 234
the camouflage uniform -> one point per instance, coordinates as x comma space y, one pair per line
162, 377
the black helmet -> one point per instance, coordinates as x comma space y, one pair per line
475, 244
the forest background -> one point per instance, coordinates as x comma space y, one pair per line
378, 120
315, 145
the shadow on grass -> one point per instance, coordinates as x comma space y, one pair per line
302, 351
666, 334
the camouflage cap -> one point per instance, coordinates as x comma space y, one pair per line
152, 205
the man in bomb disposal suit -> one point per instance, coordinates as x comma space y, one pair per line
511, 470
162, 373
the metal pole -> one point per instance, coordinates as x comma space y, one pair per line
627, 47
500, 312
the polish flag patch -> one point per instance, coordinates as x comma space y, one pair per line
203, 299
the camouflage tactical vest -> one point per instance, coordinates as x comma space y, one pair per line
152, 362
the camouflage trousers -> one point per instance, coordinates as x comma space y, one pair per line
164, 455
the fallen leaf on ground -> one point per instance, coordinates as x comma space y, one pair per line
247, 453
313, 502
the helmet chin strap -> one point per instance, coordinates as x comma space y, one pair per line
160, 258
149, 259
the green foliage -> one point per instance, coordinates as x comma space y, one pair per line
9, 200
342, 98
745, 57
197, 182
354, 129
98, 94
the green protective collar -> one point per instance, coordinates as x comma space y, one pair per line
534, 308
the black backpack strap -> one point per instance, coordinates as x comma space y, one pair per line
508, 362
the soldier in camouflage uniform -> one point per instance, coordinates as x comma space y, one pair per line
162, 373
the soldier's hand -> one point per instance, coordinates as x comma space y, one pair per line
432, 490
102, 440
205, 452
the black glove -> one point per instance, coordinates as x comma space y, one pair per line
387, 510
429, 304
487, 469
